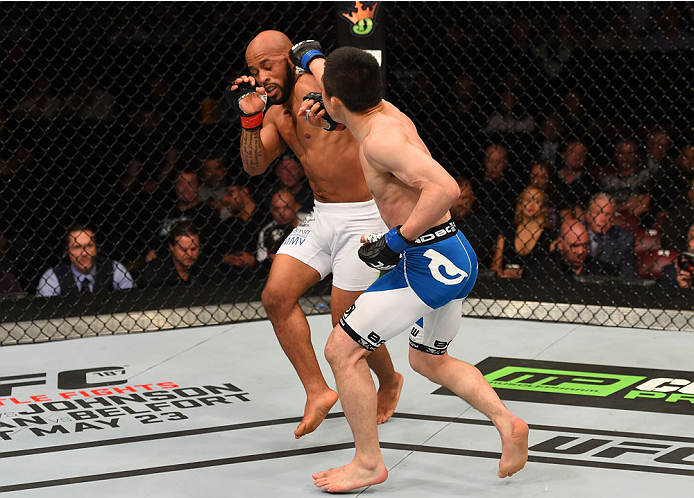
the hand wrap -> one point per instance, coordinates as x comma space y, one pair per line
304, 52
384, 252
250, 121
329, 121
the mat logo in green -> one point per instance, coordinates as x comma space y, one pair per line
560, 381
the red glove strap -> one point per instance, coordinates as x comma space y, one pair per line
252, 122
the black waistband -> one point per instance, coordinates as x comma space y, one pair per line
439, 232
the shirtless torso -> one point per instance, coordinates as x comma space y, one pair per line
330, 159
344, 210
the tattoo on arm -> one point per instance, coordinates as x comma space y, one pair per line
251, 150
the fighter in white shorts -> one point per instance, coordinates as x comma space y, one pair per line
330, 159
327, 240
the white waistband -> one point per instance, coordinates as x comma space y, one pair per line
344, 207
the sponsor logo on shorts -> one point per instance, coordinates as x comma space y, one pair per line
442, 233
438, 261
349, 311
603, 386
305, 222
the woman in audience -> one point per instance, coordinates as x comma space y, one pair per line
528, 237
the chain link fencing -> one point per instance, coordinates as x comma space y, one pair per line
117, 149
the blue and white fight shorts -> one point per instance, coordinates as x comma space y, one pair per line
423, 293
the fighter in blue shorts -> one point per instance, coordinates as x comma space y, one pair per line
426, 287
432, 267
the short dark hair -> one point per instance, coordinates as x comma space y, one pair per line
353, 76
181, 228
79, 227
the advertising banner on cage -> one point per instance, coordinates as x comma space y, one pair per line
362, 25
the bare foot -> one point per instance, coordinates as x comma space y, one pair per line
351, 476
514, 449
388, 399
316, 409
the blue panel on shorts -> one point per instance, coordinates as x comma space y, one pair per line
437, 272
442, 271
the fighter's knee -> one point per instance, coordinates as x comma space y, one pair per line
340, 348
331, 351
274, 300
424, 363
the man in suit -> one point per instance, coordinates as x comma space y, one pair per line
609, 244
84, 273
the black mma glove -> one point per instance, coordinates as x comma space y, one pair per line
304, 52
330, 122
384, 252
251, 121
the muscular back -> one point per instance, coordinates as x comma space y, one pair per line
330, 158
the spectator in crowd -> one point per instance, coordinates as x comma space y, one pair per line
465, 90
497, 188
166, 98
562, 35
184, 263
681, 271
575, 116
631, 184
664, 171
571, 255
91, 102
675, 223
9, 283
550, 140
84, 272
186, 206
540, 177
527, 240
509, 118
152, 155
672, 183
42, 102
658, 146
291, 176
213, 173
609, 244
239, 232
478, 226
286, 215
573, 184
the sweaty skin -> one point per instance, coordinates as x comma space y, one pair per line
331, 164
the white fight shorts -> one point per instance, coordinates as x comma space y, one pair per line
328, 240
423, 293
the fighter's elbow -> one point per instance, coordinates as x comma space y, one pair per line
253, 168
451, 191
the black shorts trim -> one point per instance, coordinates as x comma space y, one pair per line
427, 349
437, 233
357, 338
